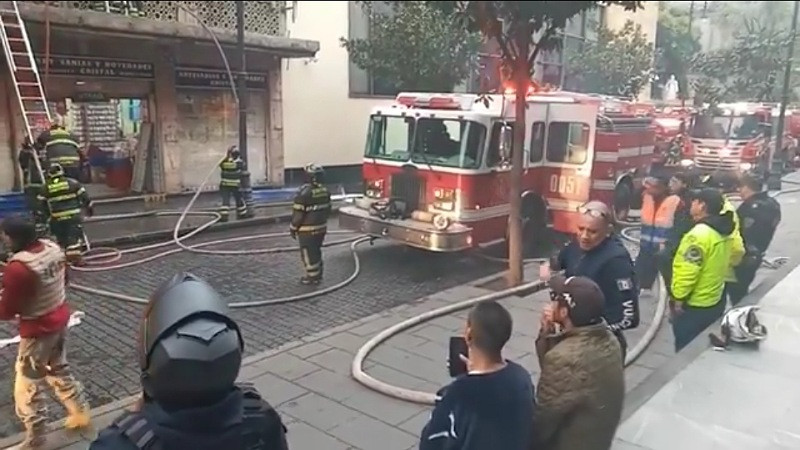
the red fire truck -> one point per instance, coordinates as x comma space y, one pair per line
436, 166
733, 138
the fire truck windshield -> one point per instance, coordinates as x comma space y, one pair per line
430, 141
725, 127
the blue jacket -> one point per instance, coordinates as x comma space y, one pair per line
215, 427
482, 412
610, 266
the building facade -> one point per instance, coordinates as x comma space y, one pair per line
149, 82
327, 99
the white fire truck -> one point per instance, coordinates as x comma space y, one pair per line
436, 166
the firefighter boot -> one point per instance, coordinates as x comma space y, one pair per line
79, 418
308, 281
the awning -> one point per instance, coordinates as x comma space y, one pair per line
85, 21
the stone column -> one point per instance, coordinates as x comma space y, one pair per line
166, 135
274, 105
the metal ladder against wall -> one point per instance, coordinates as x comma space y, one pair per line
24, 72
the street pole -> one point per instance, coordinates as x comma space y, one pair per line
246, 187
776, 162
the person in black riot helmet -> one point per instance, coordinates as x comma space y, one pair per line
230, 183
310, 212
190, 352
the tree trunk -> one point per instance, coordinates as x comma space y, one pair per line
515, 248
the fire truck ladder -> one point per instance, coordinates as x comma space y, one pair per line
24, 72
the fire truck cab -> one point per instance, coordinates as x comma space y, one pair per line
734, 138
436, 166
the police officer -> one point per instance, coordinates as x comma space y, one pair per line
600, 256
700, 265
62, 148
680, 185
231, 170
759, 216
33, 184
65, 198
187, 331
310, 212
718, 183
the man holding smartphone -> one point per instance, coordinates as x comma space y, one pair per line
491, 405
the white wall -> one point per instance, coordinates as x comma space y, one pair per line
646, 17
322, 124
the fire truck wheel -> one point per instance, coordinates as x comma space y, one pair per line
623, 196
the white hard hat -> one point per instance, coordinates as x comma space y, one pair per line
743, 325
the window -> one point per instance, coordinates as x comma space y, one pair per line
568, 142
494, 158
437, 142
537, 142
362, 82
389, 138
449, 143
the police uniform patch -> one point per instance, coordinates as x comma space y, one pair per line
624, 284
693, 254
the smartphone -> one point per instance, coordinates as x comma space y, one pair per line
458, 346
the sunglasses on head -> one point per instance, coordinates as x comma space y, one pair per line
596, 213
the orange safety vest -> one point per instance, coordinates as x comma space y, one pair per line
657, 220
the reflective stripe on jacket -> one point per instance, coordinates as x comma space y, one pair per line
232, 170
657, 220
64, 197
61, 147
700, 265
311, 208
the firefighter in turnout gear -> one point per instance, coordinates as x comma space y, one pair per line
231, 168
33, 184
65, 197
62, 148
310, 212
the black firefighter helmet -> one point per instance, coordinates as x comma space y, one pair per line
314, 173
233, 152
190, 350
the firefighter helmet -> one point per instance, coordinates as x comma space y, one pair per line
55, 170
743, 325
187, 330
314, 173
233, 152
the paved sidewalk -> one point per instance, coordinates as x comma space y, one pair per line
740, 399
309, 380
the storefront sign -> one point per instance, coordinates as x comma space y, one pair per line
90, 97
214, 79
81, 66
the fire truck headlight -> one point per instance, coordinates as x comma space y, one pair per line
441, 222
445, 199
374, 188
687, 163
744, 167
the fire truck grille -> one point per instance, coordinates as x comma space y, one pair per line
709, 158
410, 188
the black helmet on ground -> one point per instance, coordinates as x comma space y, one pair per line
314, 173
190, 350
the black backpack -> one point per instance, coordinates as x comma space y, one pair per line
261, 426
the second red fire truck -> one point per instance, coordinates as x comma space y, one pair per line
436, 166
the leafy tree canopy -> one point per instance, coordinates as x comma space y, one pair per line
618, 63
414, 46
751, 69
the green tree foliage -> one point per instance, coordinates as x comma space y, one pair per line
675, 45
751, 69
618, 63
522, 30
414, 47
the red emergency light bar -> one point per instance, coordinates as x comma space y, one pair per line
429, 102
